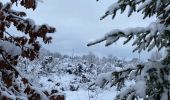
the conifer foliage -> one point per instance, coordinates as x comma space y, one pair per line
13, 85
152, 79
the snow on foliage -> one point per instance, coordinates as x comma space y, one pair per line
103, 78
154, 28
156, 56
145, 36
151, 78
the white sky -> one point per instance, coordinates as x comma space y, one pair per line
77, 22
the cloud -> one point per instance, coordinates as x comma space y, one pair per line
77, 23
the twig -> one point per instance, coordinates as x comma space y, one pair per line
13, 67
19, 45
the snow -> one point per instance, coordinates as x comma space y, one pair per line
158, 4
153, 28
4, 93
156, 56
10, 48
111, 40
60, 80
73, 79
167, 8
31, 22
125, 91
88, 95
92, 82
42, 95
140, 88
103, 77
147, 2
82, 94
112, 8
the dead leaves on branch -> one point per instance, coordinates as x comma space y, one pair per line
26, 3
11, 79
27, 26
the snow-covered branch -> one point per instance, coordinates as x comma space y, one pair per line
146, 37
147, 7
154, 35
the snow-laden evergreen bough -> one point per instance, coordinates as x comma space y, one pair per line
152, 78
13, 85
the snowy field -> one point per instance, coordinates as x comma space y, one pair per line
74, 77
82, 93
86, 95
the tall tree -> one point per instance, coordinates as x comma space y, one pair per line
152, 78
13, 85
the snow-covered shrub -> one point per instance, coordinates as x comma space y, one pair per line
47, 64
74, 87
70, 69
119, 63
84, 79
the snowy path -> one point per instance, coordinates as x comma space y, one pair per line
85, 95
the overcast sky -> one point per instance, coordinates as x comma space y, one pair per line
77, 23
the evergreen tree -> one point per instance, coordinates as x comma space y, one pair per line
152, 79
13, 85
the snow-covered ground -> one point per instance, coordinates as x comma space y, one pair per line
81, 94
108, 94
72, 77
